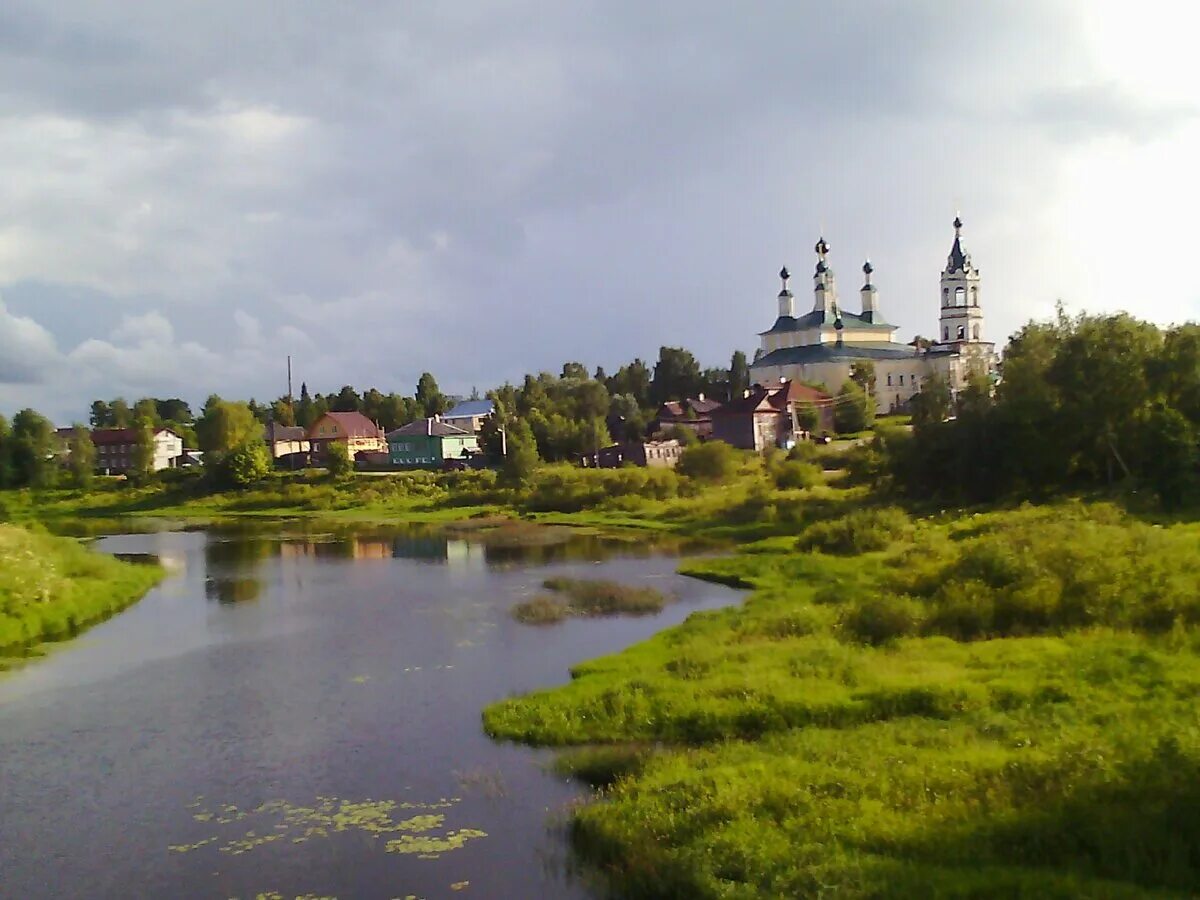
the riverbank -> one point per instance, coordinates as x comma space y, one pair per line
991, 705
52, 588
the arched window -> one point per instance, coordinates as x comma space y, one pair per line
974, 296
962, 332
960, 297
889, 379
945, 296
945, 333
975, 332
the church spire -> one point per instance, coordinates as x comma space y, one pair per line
957, 261
787, 307
824, 286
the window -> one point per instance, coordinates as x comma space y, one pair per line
902, 380
945, 333
889, 379
975, 332
960, 297
945, 296
962, 332
974, 296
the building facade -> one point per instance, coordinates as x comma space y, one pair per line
116, 449
651, 454
821, 346
430, 442
358, 433
469, 415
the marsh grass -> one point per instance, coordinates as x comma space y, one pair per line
993, 705
587, 598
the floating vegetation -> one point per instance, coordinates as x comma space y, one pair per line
361, 679
586, 597
459, 885
422, 834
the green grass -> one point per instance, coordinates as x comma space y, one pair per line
801, 748
51, 588
587, 597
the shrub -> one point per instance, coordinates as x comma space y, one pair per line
713, 461
861, 531
803, 451
338, 461
246, 464
790, 475
604, 598
541, 610
882, 619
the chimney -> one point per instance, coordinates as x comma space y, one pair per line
700, 397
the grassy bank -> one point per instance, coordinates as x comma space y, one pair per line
994, 705
51, 588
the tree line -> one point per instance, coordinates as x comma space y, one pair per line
1083, 402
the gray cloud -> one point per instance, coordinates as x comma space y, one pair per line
1101, 110
483, 189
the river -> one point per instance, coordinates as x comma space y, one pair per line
297, 714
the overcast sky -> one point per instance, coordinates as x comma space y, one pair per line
191, 191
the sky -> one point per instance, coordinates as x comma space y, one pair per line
192, 191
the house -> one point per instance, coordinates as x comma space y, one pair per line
653, 454
694, 413
822, 345
469, 415
115, 449
430, 442
284, 440
767, 415
352, 429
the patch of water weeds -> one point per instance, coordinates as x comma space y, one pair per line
588, 597
423, 834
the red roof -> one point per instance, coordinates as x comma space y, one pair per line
773, 398
350, 424
105, 436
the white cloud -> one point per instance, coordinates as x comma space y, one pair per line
28, 354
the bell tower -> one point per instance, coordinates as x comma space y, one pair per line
825, 298
961, 320
787, 304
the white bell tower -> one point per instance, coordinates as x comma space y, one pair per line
787, 303
825, 298
961, 320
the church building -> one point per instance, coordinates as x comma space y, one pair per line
821, 346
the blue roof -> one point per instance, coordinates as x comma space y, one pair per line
471, 408
790, 356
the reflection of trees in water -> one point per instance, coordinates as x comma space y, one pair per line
232, 590
240, 552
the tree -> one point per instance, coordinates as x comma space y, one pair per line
121, 416
81, 456
634, 380
7, 475
522, 460
282, 412
304, 414
808, 418
854, 410
372, 404
101, 416
338, 461
600, 376
173, 410
248, 463
146, 408
32, 455
574, 370
863, 374
739, 375
932, 404
142, 468
347, 400
676, 375
429, 396
223, 426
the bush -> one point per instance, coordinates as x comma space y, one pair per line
882, 619
803, 451
338, 461
862, 531
246, 464
791, 475
712, 461
541, 610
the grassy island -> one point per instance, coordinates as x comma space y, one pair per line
51, 588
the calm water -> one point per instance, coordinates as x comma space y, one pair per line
242, 710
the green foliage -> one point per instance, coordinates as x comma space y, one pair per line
586, 597
141, 467
81, 457
686, 436
522, 459
248, 463
224, 425
676, 375
826, 738
338, 461
711, 461
793, 475
429, 396
854, 411
861, 531
739, 374
52, 588
32, 457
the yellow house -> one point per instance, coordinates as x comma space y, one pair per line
358, 433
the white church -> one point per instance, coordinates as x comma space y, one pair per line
820, 346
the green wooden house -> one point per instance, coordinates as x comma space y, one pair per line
429, 443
